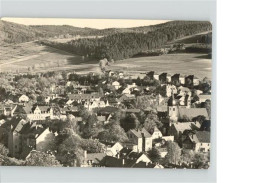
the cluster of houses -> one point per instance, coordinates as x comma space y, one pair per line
174, 109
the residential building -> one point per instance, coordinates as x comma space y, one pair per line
141, 138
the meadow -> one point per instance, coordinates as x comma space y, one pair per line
39, 58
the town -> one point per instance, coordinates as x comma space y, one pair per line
109, 119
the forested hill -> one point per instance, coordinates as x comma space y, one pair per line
124, 45
18, 33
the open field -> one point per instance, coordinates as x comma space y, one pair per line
183, 63
43, 58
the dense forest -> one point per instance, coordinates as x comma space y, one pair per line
124, 45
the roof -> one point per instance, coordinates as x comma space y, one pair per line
18, 125
203, 136
108, 109
96, 157
162, 108
133, 110
135, 155
181, 127
193, 112
138, 133
184, 89
204, 96
83, 96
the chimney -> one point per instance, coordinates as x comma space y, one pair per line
123, 161
118, 155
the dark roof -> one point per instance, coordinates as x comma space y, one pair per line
193, 112
108, 109
110, 161
203, 136
96, 157
134, 155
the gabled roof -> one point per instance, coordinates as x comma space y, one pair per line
138, 133
96, 157
203, 136
193, 112
135, 155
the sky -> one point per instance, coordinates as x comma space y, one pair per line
91, 23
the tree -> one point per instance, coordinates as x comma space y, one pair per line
114, 133
200, 160
37, 158
174, 153
154, 155
130, 122
152, 121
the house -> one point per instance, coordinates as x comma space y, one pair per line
112, 148
126, 97
156, 133
151, 75
83, 97
170, 90
184, 91
182, 79
90, 105
163, 151
141, 138
127, 91
132, 160
23, 98
47, 100
176, 113
25, 136
163, 77
196, 81
36, 136
93, 159
189, 80
199, 141
14, 136
192, 113
116, 85
38, 112
175, 79
132, 111
178, 128
7, 109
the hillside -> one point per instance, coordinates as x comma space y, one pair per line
134, 40
17, 33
